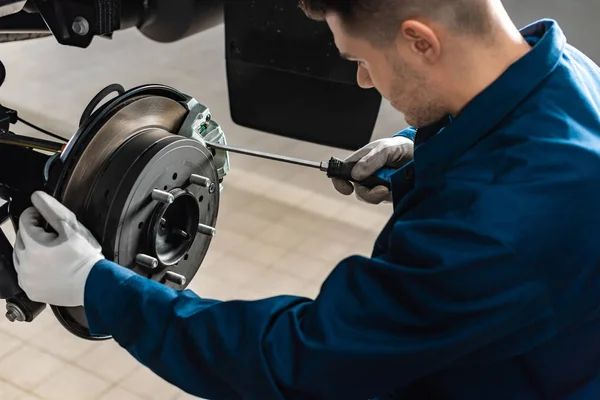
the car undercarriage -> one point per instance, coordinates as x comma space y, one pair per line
138, 172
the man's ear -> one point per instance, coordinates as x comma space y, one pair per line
421, 38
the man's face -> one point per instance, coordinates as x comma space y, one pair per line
396, 71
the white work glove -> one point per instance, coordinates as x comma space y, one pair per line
390, 152
52, 268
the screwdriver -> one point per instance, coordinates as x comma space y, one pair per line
335, 168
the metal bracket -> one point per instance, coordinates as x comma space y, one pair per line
200, 126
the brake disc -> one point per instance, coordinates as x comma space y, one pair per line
139, 176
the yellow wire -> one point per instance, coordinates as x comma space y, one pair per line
28, 145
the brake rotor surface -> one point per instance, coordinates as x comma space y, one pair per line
134, 153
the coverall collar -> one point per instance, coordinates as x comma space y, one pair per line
440, 147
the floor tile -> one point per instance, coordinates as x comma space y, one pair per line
326, 250
27, 330
10, 392
302, 266
27, 367
61, 343
259, 252
226, 241
366, 216
238, 270
245, 293
244, 224
289, 194
302, 221
109, 361
212, 256
281, 236
232, 197
7, 344
28, 396
322, 205
71, 383
118, 393
277, 283
186, 396
253, 183
267, 209
206, 285
315, 184
144, 383
275, 171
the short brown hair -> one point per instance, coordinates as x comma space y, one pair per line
380, 19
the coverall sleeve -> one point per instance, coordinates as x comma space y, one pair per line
445, 289
409, 133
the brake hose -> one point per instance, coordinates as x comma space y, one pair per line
87, 113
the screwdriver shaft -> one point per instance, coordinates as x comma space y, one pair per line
269, 156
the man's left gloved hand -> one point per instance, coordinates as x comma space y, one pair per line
53, 267
391, 152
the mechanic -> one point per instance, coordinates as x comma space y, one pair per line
485, 284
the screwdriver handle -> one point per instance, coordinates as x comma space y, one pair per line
343, 170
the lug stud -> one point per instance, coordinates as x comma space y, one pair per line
206, 230
200, 180
177, 279
181, 233
146, 261
162, 196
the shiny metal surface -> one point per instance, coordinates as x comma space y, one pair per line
200, 180
14, 313
175, 278
143, 114
146, 261
162, 196
268, 156
206, 230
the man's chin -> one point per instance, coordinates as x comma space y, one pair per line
409, 120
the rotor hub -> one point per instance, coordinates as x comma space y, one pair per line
172, 229
144, 189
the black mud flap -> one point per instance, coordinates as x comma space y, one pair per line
286, 77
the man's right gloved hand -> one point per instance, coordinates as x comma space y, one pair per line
390, 152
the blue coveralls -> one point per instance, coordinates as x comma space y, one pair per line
485, 283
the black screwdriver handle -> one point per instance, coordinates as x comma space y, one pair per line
343, 170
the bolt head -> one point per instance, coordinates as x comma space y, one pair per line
212, 188
14, 313
81, 26
11, 315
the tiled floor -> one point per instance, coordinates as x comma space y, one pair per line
281, 228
